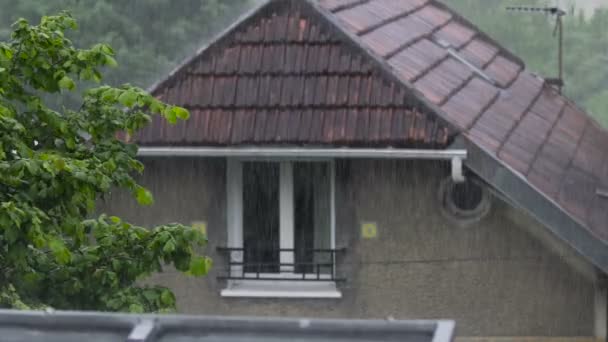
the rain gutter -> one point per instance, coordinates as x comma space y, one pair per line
456, 156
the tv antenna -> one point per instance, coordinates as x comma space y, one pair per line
559, 30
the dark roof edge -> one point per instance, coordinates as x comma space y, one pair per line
216, 40
520, 192
414, 96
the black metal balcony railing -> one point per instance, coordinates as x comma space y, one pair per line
320, 265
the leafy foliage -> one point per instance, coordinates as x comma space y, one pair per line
149, 36
55, 165
531, 37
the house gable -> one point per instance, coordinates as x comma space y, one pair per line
397, 73
282, 77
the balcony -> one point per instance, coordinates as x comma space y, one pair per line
266, 273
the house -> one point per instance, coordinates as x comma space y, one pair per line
375, 158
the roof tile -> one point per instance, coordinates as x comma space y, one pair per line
336, 5
572, 122
432, 15
479, 52
444, 80
455, 34
363, 17
388, 39
518, 157
542, 175
503, 71
486, 140
417, 59
590, 156
549, 105
559, 149
470, 101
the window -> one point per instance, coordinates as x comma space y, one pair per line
280, 219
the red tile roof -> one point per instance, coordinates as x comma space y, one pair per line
314, 67
285, 79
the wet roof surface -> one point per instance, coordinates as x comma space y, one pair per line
343, 73
488, 94
285, 79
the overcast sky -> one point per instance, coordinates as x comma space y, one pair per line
588, 5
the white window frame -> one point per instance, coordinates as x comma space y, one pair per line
234, 221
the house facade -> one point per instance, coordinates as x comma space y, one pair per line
374, 159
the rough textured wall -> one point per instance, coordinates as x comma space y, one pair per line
493, 277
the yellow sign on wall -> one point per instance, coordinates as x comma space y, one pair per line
200, 225
369, 230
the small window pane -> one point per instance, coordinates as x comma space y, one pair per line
261, 217
312, 217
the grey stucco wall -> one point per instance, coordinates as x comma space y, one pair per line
494, 277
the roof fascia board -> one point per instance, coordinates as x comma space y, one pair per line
518, 191
295, 152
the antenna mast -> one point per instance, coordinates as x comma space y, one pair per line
559, 30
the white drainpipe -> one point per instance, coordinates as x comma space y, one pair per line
455, 156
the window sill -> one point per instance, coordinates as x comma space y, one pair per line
281, 289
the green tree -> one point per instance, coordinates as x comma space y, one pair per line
149, 36
55, 165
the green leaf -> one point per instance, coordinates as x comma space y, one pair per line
67, 83
156, 107
111, 62
170, 115
61, 253
109, 95
128, 98
181, 113
32, 167
59, 164
8, 53
143, 196
167, 298
136, 308
70, 143
105, 48
169, 247
150, 295
199, 266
